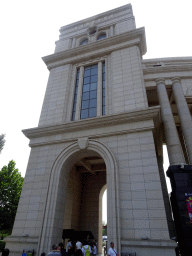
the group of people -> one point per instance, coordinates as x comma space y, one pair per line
74, 249
79, 249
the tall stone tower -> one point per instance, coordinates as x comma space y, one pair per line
101, 127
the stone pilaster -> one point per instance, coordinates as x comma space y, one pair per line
184, 115
173, 143
79, 95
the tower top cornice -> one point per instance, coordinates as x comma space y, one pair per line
95, 18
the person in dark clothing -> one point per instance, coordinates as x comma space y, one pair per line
5, 252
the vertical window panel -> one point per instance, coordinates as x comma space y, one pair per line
103, 90
75, 95
89, 96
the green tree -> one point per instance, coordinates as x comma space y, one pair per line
11, 183
2, 142
104, 229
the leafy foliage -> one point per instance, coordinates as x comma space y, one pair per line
2, 245
104, 229
11, 183
2, 142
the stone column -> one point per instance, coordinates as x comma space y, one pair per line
70, 43
184, 115
173, 143
74, 42
79, 94
111, 31
99, 90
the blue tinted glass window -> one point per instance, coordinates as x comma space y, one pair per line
85, 96
86, 80
84, 113
101, 36
89, 96
93, 94
83, 42
86, 87
93, 78
85, 104
93, 103
87, 72
94, 71
93, 86
92, 112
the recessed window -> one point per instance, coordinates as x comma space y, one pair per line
89, 94
102, 36
84, 41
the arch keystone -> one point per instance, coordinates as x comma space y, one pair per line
83, 142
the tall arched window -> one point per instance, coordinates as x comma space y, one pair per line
84, 41
103, 35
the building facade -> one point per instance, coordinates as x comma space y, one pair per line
105, 117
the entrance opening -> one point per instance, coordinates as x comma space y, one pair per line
83, 208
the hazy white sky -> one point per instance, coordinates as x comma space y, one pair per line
28, 32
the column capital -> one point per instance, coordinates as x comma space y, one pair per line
160, 81
176, 80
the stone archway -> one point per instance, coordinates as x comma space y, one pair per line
56, 197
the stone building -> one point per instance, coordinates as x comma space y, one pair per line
104, 119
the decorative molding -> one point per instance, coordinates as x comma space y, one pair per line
165, 65
96, 122
94, 136
98, 48
83, 142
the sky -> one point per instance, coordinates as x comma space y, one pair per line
29, 30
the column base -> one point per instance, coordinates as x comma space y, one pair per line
148, 247
16, 244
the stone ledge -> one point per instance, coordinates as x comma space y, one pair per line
106, 46
149, 243
96, 122
21, 239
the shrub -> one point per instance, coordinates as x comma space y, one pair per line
2, 245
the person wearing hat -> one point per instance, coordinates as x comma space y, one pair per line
112, 251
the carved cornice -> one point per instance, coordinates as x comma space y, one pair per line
165, 65
92, 123
95, 49
166, 69
98, 16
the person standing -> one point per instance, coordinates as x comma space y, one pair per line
112, 251
68, 247
94, 250
86, 249
54, 251
78, 245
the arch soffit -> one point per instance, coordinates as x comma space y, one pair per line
96, 146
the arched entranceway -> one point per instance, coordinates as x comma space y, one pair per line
82, 208
68, 162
